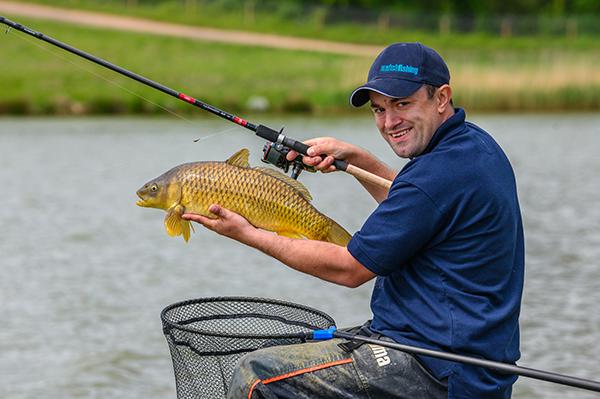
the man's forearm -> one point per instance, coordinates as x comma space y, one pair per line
324, 260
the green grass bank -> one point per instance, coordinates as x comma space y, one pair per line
37, 78
488, 73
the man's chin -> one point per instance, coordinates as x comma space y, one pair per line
402, 151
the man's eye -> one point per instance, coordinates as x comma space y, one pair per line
377, 110
402, 103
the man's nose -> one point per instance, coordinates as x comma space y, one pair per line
392, 119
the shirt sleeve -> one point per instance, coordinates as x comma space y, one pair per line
400, 226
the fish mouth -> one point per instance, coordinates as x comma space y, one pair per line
141, 201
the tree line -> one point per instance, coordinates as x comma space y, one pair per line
556, 8
471, 7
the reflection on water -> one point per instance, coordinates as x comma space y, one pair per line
85, 273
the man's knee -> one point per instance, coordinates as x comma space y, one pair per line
245, 375
267, 363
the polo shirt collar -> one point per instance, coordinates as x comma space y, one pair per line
446, 129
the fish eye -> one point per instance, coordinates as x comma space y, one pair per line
154, 187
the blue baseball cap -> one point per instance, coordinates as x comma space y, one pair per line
400, 70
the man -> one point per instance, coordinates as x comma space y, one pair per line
445, 244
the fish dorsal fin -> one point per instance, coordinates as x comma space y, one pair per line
240, 158
285, 178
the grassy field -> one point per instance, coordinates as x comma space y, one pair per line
488, 74
40, 79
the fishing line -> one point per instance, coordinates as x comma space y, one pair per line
116, 84
229, 129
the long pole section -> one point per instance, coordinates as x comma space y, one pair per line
129, 74
260, 130
489, 364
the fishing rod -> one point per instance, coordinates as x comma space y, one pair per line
274, 152
488, 364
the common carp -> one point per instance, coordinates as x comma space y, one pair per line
267, 198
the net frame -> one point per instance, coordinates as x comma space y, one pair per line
207, 337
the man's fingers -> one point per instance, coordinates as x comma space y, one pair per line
221, 213
291, 155
206, 221
322, 146
317, 146
311, 161
193, 217
320, 163
216, 210
203, 220
321, 153
327, 162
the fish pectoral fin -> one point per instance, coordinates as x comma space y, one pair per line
175, 225
290, 234
185, 229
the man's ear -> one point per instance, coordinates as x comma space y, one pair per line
444, 95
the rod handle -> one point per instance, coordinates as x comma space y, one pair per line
368, 177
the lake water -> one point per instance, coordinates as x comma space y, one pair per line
85, 272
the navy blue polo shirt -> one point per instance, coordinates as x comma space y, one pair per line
447, 248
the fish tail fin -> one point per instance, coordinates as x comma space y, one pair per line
338, 235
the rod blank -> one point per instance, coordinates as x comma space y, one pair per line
489, 364
261, 131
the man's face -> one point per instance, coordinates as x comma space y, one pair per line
407, 123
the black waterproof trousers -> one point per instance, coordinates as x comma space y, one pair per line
333, 369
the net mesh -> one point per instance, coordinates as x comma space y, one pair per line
207, 336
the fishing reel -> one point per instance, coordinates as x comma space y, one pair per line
275, 154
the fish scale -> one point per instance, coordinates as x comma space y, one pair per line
266, 198
264, 201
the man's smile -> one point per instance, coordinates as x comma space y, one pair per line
397, 135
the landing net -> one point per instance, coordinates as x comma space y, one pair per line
208, 336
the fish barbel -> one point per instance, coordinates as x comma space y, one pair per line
268, 199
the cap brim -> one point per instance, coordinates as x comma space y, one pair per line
395, 88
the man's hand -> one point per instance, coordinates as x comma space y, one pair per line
227, 223
331, 148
